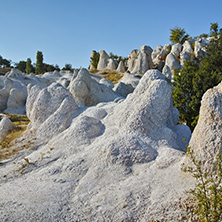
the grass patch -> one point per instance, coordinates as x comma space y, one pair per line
7, 149
93, 71
112, 75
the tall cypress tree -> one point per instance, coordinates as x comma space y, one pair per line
29, 66
39, 63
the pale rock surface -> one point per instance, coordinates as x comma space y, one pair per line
5, 127
184, 57
112, 65
117, 161
159, 56
55, 75
121, 67
156, 52
186, 53
106, 82
64, 82
132, 59
143, 61
187, 48
129, 78
207, 138
123, 89
16, 102
160, 53
167, 72
176, 49
172, 63
164, 52
103, 60
200, 47
88, 92
50, 110
24, 79
14, 73
6, 85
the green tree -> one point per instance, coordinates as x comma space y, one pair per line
57, 67
29, 66
211, 68
186, 85
94, 60
178, 35
194, 79
50, 68
21, 66
117, 58
39, 63
67, 67
4, 62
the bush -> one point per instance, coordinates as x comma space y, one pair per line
178, 35
207, 193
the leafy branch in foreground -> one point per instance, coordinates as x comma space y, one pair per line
208, 190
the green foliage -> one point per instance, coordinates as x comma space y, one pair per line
195, 78
178, 35
29, 66
4, 62
21, 66
117, 58
211, 68
67, 67
94, 60
57, 67
214, 29
39, 63
186, 92
208, 190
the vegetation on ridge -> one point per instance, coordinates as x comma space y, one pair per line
196, 77
207, 194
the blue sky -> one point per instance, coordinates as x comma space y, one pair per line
66, 31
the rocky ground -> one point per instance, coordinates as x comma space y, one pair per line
95, 151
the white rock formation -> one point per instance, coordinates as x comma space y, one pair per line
88, 92
50, 110
123, 89
142, 62
5, 127
207, 138
6, 85
176, 49
172, 63
164, 52
16, 102
106, 82
159, 56
156, 52
200, 47
116, 161
121, 67
132, 59
103, 60
112, 65
186, 53
129, 78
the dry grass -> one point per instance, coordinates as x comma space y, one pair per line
112, 75
93, 71
3, 71
6, 148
